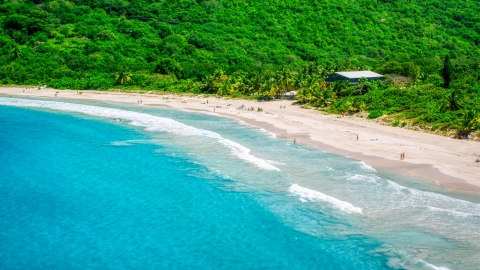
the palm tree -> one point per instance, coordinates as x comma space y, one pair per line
324, 97
358, 105
16, 53
123, 77
451, 103
468, 122
285, 80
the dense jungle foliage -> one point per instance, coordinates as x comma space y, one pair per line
257, 49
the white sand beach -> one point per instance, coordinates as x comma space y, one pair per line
445, 161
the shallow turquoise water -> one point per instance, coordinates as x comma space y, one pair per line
180, 190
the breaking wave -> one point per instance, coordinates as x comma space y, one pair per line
312, 195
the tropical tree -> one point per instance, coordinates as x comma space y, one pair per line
468, 122
446, 72
16, 53
212, 83
451, 103
358, 105
362, 87
123, 77
323, 97
285, 80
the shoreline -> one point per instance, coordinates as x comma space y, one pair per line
443, 161
424, 171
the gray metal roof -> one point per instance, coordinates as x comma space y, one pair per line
359, 74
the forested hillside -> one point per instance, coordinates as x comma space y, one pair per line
247, 47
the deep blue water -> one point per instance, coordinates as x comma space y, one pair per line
70, 199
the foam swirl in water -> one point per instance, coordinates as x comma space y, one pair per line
150, 122
313, 195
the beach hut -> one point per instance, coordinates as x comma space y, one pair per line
354, 76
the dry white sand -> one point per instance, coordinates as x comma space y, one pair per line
446, 161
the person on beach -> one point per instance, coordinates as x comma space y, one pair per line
357, 137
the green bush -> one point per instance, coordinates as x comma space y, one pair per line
396, 123
374, 114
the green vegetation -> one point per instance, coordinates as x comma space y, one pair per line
258, 49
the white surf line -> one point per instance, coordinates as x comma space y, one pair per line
313, 195
150, 122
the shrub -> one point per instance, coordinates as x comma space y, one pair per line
404, 124
375, 114
396, 123
260, 109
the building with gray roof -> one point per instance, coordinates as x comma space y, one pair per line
354, 76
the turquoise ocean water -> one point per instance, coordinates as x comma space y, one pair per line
173, 189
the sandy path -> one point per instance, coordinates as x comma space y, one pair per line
444, 160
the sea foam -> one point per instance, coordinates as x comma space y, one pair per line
312, 195
149, 122
399, 259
